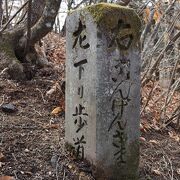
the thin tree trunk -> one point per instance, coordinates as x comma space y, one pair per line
37, 11
7, 13
44, 24
1, 12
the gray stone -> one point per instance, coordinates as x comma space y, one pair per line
54, 160
8, 108
103, 89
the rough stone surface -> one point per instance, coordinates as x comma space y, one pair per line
103, 89
8, 108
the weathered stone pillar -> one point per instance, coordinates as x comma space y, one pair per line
103, 89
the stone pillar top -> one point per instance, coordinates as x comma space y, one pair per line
115, 21
106, 16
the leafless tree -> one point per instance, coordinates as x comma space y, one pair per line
13, 42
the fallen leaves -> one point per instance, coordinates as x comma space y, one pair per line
174, 136
7, 178
178, 171
154, 142
53, 89
157, 172
142, 139
142, 128
56, 111
52, 126
2, 157
152, 114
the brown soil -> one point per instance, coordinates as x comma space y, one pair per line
160, 156
32, 139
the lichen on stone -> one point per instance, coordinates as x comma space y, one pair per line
107, 17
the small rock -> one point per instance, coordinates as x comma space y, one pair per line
6, 178
8, 108
22, 172
178, 171
70, 166
54, 160
82, 176
26, 150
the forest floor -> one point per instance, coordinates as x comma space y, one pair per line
32, 138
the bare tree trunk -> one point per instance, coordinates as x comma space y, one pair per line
7, 13
13, 43
1, 12
123, 2
37, 11
168, 62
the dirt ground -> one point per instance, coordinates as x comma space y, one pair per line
32, 138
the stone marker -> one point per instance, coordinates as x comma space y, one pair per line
103, 89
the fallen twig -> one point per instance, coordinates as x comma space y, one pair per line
2, 101
41, 95
64, 175
149, 97
3, 71
167, 99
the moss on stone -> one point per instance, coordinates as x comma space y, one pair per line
107, 16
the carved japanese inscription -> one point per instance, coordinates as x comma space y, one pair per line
122, 35
80, 115
120, 98
80, 36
